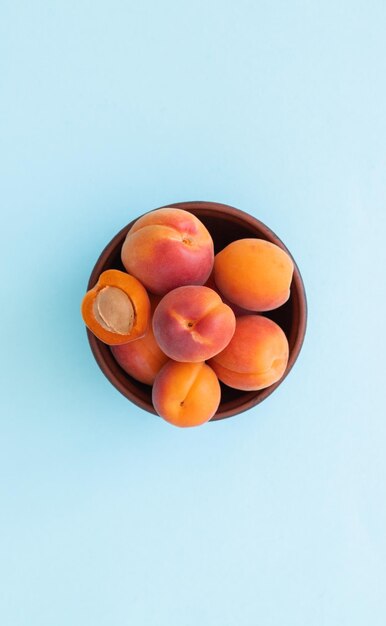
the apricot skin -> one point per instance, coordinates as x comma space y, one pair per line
168, 248
256, 356
143, 358
186, 394
192, 324
254, 274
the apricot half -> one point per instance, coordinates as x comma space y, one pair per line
117, 308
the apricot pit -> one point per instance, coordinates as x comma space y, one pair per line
114, 310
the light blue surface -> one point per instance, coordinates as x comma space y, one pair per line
108, 515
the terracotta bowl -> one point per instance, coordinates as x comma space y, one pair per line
225, 224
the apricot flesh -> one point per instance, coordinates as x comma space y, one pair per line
186, 394
192, 324
168, 248
254, 274
256, 357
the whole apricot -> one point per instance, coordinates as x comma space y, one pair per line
256, 357
254, 274
192, 324
186, 394
168, 248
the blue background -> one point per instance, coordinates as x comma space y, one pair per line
108, 515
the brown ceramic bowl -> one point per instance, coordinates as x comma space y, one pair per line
225, 224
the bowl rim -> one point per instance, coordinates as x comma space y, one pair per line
207, 208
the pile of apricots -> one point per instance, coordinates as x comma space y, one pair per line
182, 319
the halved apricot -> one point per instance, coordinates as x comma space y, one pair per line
117, 308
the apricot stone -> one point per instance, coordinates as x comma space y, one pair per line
254, 274
168, 248
192, 324
186, 394
114, 310
256, 357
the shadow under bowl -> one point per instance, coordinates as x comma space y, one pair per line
225, 224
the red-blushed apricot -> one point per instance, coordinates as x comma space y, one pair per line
186, 394
256, 357
254, 274
168, 248
192, 324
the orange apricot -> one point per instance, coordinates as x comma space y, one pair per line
117, 308
256, 357
254, 274
186, 394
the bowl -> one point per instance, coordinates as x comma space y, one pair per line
225, 224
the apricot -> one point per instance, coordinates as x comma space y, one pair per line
143, 358
192, 324
256, 357
117, 308
186, 394
254, 274
168, 248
